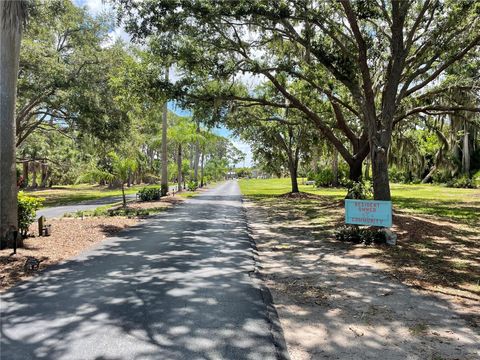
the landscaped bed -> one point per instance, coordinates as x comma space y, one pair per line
73, 235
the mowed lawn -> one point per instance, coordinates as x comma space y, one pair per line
460, 205
437, 228
70, 194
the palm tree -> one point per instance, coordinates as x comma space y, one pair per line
121, 170
164, 181
12, 17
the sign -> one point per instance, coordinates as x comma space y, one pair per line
368, 212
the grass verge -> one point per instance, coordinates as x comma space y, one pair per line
69, 194
437, 243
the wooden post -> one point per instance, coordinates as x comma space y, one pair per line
41, 225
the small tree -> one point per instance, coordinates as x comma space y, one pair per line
121, 170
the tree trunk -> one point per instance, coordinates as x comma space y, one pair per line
11, 19
25, 173
34, 174
164, 182
179, 167
44, 174
367, 168
123, 196
427, 178
466, 150
293, 178
201, 170
196, 161
335, 167
293, 169
381, 185
355, 170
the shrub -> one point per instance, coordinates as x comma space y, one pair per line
149, 193
441, 177
358, 190
324, 178
164, 190
476, 179
192, 185
356, 235
27, 211
463, 181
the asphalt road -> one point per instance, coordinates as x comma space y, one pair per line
59, 211
178, 286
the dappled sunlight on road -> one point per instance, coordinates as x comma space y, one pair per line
177, 287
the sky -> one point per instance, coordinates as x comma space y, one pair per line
95, 7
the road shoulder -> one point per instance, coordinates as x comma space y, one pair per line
333, 303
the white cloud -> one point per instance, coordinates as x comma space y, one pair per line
97, 7
244, 147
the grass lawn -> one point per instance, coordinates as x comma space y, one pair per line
68, 194
437, 229
461, 205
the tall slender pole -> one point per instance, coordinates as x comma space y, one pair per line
164, 182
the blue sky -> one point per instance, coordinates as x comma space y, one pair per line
222, 131
97, 6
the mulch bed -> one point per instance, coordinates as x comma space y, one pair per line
70, 237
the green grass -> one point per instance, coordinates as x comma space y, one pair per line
187, 194
461, 205
439, 256
68, 194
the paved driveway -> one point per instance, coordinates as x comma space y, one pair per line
176, 287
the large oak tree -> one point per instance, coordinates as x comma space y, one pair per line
370, 59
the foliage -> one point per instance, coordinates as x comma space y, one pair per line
192, 185
324, 178
149, 193
27, 211
243, 172
358, 190
476, 179
463, 181
360, 235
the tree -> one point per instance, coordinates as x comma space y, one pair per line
280, 138
181, 133
371, 59
121, 168
12, 17
64, 72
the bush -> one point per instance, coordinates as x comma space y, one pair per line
27, 211
149, 193
324, 178
192, 185
441, 177
463, 181
476, 179
356, 235
358, 190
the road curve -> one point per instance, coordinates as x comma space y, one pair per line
176, 287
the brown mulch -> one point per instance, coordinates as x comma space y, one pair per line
164, 203
69, 238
